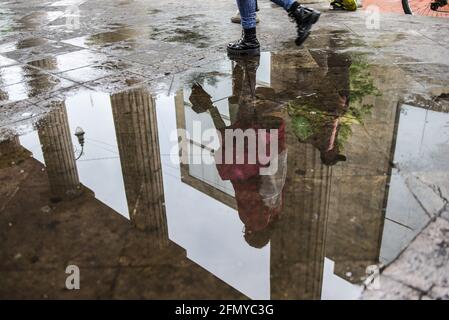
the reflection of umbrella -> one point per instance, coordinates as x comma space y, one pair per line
201, 101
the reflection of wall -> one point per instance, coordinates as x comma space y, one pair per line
59, 154
11, 152
360, 185
147, 270
137, 137
10, 146
298, 242
357, 190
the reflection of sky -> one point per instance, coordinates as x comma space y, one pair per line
99, 168
421, 150
210, 231
336, 288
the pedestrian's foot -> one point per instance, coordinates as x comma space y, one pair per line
304, 18
238, 19
247, 45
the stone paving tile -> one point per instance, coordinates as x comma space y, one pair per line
425, 263
5, 62
391, 290
34, 88
445, 215
117, 82
18, 112
69, 61
40, 52
22, 82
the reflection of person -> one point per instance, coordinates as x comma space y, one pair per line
259, 197
248, 43
322, 119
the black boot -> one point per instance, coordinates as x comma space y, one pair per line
246, 45
304, 18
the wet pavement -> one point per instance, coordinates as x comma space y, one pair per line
363, 136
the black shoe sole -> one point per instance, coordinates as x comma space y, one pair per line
314, 19
245, 52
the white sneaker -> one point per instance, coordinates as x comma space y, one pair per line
237, 19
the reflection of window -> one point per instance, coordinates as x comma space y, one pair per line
202, 176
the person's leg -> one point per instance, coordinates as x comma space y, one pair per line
248, 43
286, 4
237, 19
304, 17
247, 9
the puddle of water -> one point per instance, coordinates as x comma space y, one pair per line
22, 44
4, 62
21, 82
117, 195
103, 39
68, 61
35, 19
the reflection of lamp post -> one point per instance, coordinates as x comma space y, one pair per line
79, 133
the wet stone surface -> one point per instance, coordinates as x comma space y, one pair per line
361, 180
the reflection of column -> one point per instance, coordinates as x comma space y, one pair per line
360, 192
137, 137
3, 95
59, 155
46, 64
30, 42
42, 82
298, 242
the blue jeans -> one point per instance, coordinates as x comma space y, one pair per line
247, 10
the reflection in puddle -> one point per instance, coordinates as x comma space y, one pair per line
309, 230
20, 82
22, 44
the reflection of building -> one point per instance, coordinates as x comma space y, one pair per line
11, 152
46, 64
202, 177
59, 154
137, 137
360, 186
126, 262
298, 242
335, 211
356, 190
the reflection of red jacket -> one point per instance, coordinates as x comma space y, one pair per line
246, 170
253, 212
247, 181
